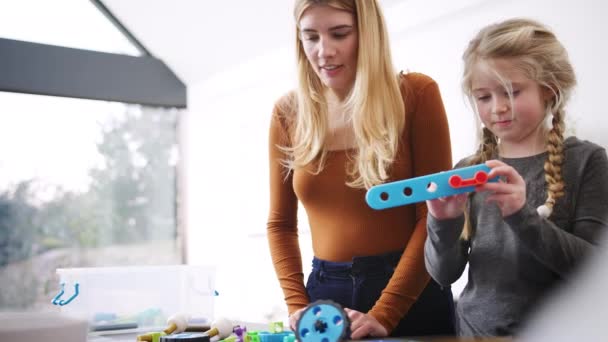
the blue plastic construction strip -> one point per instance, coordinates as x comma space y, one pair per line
414, 190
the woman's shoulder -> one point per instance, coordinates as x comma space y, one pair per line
413, 87
415, 81
285, 107
285, 104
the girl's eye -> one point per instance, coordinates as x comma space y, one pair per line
483, 98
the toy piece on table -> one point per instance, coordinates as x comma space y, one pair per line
151, 336
197, 328
198, 325
414, 190
221, 327
240, 332
323, 320
186, 337
275, 327
252, 336
231, 338
176, 324
179, 323
267, 336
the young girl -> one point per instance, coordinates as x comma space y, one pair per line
354, 122
527, 232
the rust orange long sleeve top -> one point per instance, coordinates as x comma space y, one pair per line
341, 223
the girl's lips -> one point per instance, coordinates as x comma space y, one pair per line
503, 123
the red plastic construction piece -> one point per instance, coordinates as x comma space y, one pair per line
456, 181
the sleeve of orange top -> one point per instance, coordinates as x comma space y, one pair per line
282, 230
431, 152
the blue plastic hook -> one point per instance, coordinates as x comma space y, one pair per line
61, 302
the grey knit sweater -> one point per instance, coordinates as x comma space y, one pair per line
515, 261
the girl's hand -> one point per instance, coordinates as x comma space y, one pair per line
509, 193
295, 317
447, 207
364, 325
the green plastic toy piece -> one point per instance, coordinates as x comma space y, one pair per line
252, 336
275, 327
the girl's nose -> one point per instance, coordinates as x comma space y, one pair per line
500, 105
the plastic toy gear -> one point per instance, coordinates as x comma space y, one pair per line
323, 321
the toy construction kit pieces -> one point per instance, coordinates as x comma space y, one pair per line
414, 190
323, 321
178, 324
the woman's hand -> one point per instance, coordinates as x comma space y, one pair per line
509, 193
364, 325
295, 317
445, 208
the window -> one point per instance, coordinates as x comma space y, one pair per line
69, 23
82, 183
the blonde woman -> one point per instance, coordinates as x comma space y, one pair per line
352, 123
527, 232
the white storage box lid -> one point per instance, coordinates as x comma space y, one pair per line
136, 296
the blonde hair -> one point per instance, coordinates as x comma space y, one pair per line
375, 102
536, 51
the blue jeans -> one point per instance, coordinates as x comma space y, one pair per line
359, 284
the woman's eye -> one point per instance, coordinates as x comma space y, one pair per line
483, 98
340, 35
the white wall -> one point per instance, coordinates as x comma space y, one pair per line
227, 144
227, 126
434, 45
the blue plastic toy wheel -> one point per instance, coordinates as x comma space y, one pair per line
323, 321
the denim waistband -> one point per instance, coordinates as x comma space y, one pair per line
359, 264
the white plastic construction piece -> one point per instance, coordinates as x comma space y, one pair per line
177, 323
221, 327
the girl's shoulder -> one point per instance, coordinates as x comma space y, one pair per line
579, 152
579, 146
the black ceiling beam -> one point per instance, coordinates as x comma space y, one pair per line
34, 68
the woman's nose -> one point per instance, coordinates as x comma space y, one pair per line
326, 49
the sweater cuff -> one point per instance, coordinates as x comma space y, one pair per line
444, 232
384, 321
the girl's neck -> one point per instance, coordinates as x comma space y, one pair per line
530, 147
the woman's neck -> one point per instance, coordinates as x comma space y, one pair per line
340, 135
337, 95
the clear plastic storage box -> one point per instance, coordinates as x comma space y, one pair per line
138, 296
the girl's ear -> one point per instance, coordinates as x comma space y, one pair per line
548, 94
